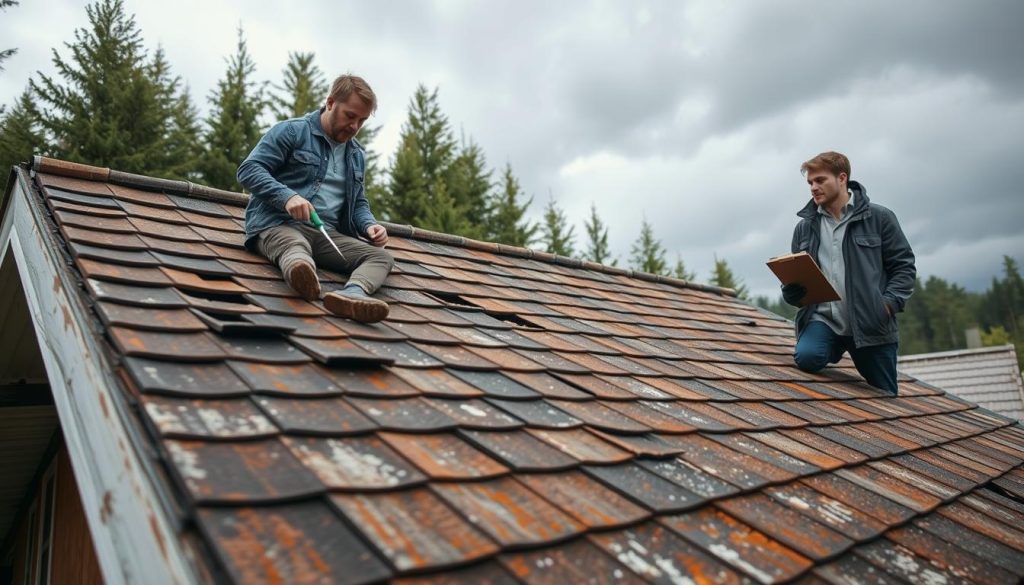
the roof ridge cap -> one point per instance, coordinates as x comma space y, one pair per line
421, 234
54, 166
76, 170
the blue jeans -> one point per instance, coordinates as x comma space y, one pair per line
819, 346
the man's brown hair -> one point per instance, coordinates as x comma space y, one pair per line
346, 85
833, 162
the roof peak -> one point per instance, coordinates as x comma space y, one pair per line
65, 168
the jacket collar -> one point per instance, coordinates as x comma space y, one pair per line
313, 119
860, 202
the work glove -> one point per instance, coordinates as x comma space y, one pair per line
793, 293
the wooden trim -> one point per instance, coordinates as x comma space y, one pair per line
134, 536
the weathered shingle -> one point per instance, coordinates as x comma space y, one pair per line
519, 418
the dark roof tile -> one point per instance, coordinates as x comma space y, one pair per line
124, 274
496, 385
354, 463
950, 558
322, 416
508, 512
444, 456
649, 489
414, 529
841, 517
576, 562
195, 380
207, 418
437, 382
660, 556
738, 545
403, 414
488, 573
402, 354
581, 445
166, 345
267, 350
797, 531
321, 548
901, 563
583, 498
549, 386
889, 487
966, 510
520, 450
339, 352
537, 413
285, 379
599, 416
240, 472
989, 549
737, 468
114, 255
180, 320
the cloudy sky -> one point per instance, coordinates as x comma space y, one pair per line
694, 115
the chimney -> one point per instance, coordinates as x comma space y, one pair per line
973, 336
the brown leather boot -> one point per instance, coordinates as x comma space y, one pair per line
301, 276
353, 303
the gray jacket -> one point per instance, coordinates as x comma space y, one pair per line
879, 267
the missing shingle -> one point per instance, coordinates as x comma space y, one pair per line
456, 302
998, 489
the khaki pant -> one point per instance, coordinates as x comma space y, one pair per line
286, 244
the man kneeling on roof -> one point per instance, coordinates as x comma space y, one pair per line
309, 168
861, 249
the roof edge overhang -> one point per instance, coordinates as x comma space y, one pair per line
133, 533
92, 173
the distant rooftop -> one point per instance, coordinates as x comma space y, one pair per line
989, 376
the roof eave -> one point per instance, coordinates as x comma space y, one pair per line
132, 532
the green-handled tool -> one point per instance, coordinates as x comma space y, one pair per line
319, 224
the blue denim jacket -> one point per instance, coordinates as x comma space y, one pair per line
290, 159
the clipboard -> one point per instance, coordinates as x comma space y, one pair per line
802, 269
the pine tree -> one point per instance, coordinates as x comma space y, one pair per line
6, 53
722, 276
469, 182
505, 219
557, 235
648, 255
443, 214
20, 136
304, 88
597, 239
373, 182
232, 125
681, 272
406, 195
425, 150
105, 107
182, 135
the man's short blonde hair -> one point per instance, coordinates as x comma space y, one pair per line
832, 162
346, 85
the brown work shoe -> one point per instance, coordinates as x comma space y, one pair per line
301, 276
356, 305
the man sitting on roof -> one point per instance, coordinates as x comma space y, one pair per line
313, 166
862, 251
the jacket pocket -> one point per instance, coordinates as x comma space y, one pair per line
306, 157
868, 241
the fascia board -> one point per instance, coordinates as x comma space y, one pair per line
133, 535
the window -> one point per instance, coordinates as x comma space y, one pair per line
39, 541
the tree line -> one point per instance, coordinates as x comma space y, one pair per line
113, 103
